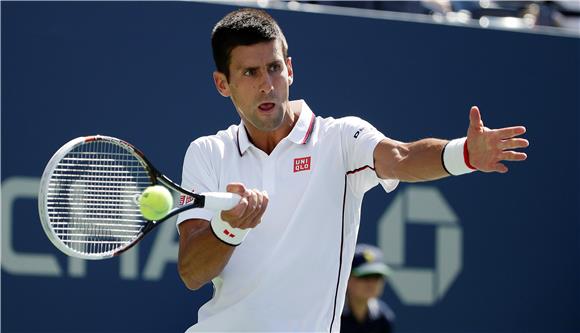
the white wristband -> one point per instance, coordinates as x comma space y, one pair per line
454, 159
225, 232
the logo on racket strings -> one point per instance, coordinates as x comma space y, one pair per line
185, 199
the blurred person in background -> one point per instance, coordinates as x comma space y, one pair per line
363, 311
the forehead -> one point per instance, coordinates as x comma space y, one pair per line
256, 54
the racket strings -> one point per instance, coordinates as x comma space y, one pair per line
92, 196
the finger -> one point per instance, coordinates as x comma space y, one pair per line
238, 210
254, 205
234, 215
513, 156
262, 205
475, 118
253, 201
510, 132
238, 188
501, 168
513, 144
265, 201
256, 217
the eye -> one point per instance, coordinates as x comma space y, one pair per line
275, 68
249, 72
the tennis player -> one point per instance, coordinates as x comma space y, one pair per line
280, 260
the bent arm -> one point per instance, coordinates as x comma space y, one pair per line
410, 162
201, 256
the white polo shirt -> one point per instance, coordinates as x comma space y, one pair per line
291, 272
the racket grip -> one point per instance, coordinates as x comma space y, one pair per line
218, 201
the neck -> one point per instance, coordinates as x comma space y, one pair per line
358, 307
267, 141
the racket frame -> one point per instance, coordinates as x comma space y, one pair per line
155, 176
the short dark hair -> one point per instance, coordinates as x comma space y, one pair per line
246, 26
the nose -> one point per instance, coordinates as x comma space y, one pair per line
266, 86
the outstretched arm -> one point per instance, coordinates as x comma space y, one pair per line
423, 160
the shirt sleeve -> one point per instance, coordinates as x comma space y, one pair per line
359, 139
199, 175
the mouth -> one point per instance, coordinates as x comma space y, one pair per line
266, 106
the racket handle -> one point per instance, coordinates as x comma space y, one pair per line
218, 201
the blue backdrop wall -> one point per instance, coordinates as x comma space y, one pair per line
485, 253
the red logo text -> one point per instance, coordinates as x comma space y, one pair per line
185, 199
302, 164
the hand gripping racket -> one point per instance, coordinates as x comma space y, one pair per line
88, 197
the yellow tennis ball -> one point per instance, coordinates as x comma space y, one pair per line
155, 202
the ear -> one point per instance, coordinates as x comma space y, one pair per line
290, 70
221, 83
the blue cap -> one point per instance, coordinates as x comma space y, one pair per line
368, 260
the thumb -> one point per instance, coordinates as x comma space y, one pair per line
237, 188
239, 209
475, 121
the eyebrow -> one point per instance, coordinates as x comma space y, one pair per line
253, 68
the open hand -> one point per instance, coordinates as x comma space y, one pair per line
489, 147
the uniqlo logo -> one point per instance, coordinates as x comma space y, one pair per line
302, 164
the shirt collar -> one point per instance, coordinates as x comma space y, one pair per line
300, 134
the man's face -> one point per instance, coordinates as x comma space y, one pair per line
258, 85
365, 287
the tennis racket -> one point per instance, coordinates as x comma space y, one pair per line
89, 197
